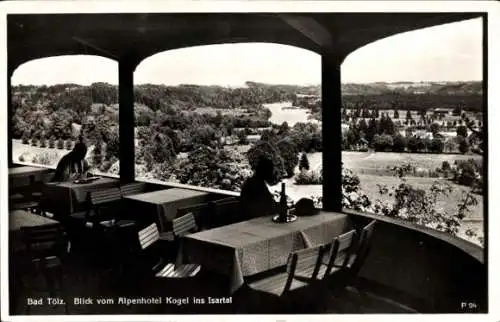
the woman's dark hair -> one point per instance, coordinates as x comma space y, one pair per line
79, 151
265, 166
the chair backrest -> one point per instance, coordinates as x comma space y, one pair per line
226, 211
46, 240
368, 231
100, 197
200, 211
184, 225
303, 259
341, 249
132, 188
148, 236
364, 246
47, 177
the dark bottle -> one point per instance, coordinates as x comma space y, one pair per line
283, 204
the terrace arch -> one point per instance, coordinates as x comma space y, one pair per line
131, 38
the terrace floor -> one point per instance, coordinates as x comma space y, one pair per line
81, 279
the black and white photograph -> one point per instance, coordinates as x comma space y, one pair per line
222, 160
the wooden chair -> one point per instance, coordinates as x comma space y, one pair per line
102, 208
21, 194
184, 225
37, 192
150, 236
201, 213
46, 249
341, 254
362, 250
299, 262
132, 188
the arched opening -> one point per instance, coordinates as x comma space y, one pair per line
203, 113
413, 106
57, 99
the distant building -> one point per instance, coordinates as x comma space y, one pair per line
253, 138
443, 111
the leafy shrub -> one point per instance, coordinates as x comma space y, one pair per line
212, 167
288, 152
436, 146
45, 158
159, 149
309, 177
34, 141
105, 166
26, 138
468, 172
446, 166
399, 143
419, 206
97, 155
68, 144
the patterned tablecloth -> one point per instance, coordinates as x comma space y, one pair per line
162, 205
258, 245
64, 198
23, 218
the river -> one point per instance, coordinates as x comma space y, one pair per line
291, 116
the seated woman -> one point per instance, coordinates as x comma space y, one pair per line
256, 200
72, 165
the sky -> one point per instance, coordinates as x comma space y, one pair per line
451, 52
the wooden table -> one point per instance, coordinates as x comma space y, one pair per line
65, 198
161, 206
26, 175
258, 245
22, 218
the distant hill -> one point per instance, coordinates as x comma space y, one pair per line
442, 88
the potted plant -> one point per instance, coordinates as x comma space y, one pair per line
60, 144
52, 142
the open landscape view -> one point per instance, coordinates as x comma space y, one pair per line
208, 135
215, 163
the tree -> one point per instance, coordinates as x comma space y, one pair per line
362, 127
408, 115
435, 128
304, 162
463, 144
242, 138
97, 156
371, 130
266, 149
212, 168
159, 149
289, 154
462, 131
436, 146
414, 144
396, 114
112, 147
284, 128
399, 144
